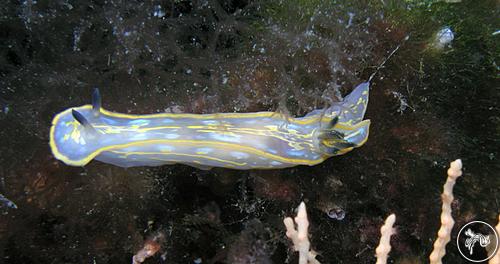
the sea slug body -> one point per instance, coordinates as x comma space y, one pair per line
261, 140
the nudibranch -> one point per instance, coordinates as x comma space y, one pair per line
261, 140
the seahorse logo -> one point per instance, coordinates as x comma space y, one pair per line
477, 241
473, 238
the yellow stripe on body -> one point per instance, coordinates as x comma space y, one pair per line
107, 129
177, 154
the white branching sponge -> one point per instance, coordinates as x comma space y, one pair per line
447, 221
384, 247
300, 235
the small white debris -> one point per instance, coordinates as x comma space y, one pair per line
443, 38
349, 22
76, 38
403, 102
5, 109
158, 12
225, 79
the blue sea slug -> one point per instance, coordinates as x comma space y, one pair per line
261, 140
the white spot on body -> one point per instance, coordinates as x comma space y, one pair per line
315, 157
139, 137
140, 122
171, 136
210, 122
239, 155
272, 151
293, 127
204, 150
167, 121
226, 138
165, 148
296, 153
251, 121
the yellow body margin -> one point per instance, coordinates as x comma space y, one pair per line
87, 159
52, 142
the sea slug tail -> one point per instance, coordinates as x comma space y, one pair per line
354, 105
